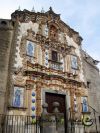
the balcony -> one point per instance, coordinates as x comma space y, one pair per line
55, 65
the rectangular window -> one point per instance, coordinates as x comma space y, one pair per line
18, 96
54, 56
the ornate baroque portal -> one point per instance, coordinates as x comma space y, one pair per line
47, 62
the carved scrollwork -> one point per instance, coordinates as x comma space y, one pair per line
29, 86
18, 77
61, 47
27, 18
31, 33
40, 38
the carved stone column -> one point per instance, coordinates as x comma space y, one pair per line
38, 99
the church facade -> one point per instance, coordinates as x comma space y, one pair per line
44, 64
47, 65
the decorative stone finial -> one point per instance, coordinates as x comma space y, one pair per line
56, 105
42, 11
33, 10
45, 106
50, 8
19, 8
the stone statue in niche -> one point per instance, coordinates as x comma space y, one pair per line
53, 32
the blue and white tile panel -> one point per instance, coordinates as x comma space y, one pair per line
47, 58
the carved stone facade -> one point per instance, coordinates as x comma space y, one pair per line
45, 58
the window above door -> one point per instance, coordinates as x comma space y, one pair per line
54, 56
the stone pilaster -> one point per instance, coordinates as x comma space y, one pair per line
38, 99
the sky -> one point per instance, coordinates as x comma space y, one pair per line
81, 15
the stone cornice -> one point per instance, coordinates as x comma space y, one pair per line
41, 71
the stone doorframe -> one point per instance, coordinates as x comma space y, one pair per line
44, 91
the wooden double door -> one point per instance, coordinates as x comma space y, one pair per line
52, 97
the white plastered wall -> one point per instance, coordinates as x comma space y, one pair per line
23, 27
77, 51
